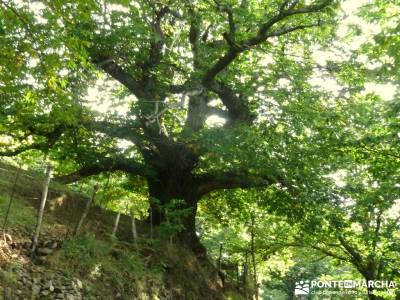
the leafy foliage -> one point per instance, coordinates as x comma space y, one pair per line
305, 143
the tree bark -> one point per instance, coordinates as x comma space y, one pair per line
86, 211
245, 273
151, 221
41, 209
168, 223
134, 231
253, 255
189, 235
220, 256
115, 228
174, 187
371, 296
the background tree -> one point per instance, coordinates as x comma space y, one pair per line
361, 223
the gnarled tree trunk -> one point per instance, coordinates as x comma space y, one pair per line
163, 191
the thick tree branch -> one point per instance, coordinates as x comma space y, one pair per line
122, 131
157, 43
283, 14
236, 105
108, 65
197, 112
377, 230
178, 88
22, 149
355, 256
262, 35
216, 111
198, 99
286, 30
229, 36
329, 252
106, 165
350, 249
238, 111
232, 180
220, 65
194, 36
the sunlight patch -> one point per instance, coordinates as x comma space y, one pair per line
385, 91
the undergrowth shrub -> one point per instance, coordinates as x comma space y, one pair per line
84, 255
94, 259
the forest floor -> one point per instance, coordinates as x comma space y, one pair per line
93, 265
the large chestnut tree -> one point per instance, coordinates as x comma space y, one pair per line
249, 62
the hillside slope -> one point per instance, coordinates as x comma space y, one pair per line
93, 265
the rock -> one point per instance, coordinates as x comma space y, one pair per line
44, 251
79, 284
70, 297
8, 293
53, 245
50, 244
35, 290
40, 260
49, 286
45, 292
7, 237
35, 280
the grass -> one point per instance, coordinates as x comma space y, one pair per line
8, 277
98, 260
21, 216
83, 254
